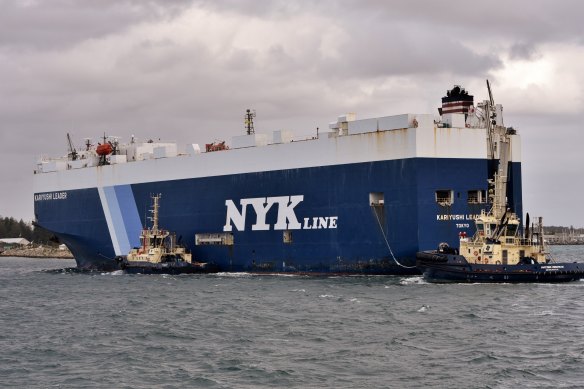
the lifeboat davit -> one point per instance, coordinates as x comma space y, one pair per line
104, 149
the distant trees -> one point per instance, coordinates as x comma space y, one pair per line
553, 230
11, 228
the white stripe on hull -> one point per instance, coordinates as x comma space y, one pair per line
109, 220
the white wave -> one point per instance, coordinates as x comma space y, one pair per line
545, 313
276, 340
114, 273
417, 280
280, 274
298, 290
232, 275
326, 295
424, 308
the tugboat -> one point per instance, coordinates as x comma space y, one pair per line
498, 251
159, 254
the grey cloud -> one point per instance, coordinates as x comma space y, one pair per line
54, 24
384, 50
261, 9
523, 51
535, 21
394, 57
59, 23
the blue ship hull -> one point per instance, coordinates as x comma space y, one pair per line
362, 239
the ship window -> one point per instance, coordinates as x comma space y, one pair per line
376, 199
444, 197
505, 257
221, 239
492, 228
287, 236
511, 229
476, 196
480, 227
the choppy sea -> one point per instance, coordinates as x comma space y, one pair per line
65, 329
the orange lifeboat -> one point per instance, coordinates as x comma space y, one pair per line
216, 146
104, 149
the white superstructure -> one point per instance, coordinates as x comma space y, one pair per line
351, 141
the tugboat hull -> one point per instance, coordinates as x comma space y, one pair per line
444, 268
173, 268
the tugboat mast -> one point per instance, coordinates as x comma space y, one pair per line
155, 205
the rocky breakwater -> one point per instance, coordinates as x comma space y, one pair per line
37, 252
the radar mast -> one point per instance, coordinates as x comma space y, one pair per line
248, 120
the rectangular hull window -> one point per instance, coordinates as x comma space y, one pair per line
287, 236
376, 199
218, 239
476, 197
445, 197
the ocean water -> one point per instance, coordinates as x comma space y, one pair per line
65, 329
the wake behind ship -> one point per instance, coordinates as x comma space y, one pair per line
362, 198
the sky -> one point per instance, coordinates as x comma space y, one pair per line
187, 70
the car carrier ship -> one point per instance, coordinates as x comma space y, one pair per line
363, 197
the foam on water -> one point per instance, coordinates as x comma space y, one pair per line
233, 275
413, 280
115, 273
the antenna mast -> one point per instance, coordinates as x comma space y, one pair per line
248, 119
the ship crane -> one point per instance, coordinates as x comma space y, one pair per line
499, 143
72, 152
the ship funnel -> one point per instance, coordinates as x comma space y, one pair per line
457, 100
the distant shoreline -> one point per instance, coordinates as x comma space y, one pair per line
34, 256
37, 252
